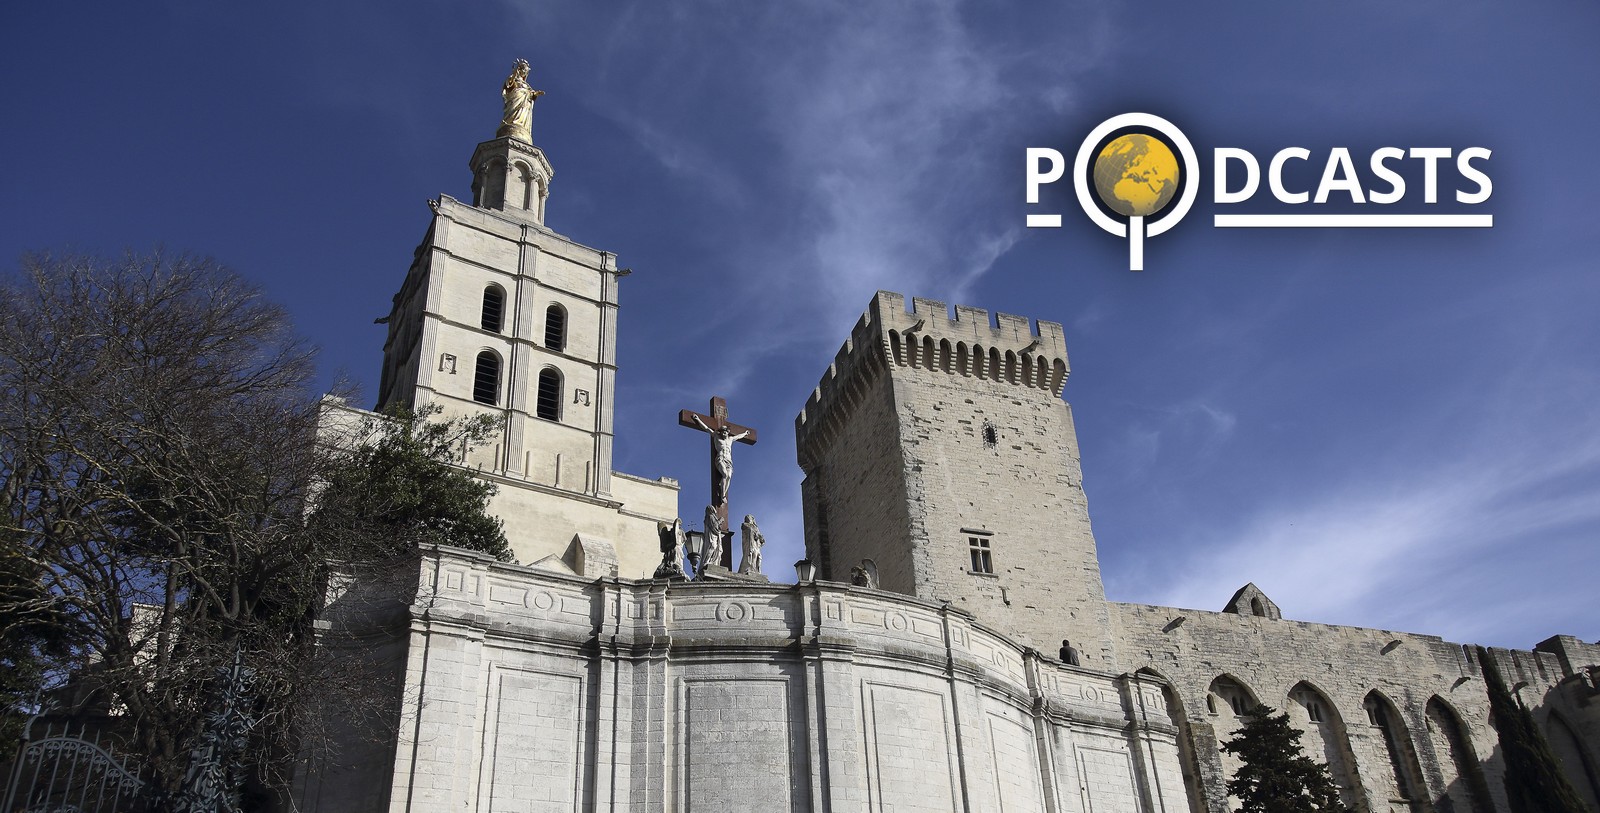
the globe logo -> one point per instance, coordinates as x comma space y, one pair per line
1136, 175
1147, 176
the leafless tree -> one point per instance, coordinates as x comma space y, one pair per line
157, 449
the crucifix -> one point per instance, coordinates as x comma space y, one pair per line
723, 435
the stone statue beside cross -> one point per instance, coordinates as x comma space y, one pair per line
724, 433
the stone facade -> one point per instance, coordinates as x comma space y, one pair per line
532, 691
499, 315
940, 449
932, 438
899, 469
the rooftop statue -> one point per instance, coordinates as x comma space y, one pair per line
517, 119
750, 565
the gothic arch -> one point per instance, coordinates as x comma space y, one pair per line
963, 359
1027, 370
1229, 695
1575, 760
1010, 368
1187, 761
994, 364
929, 353
1227, 699
1400, 779
1324, 737
946, 356
895, 348
1464, 784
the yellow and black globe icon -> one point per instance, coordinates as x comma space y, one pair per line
1137, 175
1142, 169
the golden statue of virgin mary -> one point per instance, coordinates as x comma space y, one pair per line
517, 118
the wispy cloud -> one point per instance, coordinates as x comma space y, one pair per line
1414, 546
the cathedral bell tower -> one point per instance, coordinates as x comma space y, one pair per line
501, 316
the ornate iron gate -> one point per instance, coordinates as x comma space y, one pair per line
59, 772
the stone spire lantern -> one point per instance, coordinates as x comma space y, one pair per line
509, 174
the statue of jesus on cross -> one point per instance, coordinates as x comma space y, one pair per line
723, 435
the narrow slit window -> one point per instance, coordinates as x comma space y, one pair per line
978, 546
548, 403
555, 328
494, 308
486, 379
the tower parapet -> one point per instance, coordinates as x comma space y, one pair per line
1006, 349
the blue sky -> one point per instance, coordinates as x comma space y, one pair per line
1383, 428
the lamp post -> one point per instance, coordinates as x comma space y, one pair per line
805, 570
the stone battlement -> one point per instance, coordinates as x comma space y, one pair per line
1005, 348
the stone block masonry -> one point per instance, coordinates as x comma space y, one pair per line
532, 691
931, 437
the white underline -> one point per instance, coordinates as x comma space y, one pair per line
1044, 221
1353, 221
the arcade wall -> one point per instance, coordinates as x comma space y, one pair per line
1401, 719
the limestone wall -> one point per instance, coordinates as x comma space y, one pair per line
437, 333
534, 691
542, 520
1400, 718
929, 432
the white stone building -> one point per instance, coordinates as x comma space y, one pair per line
938, 447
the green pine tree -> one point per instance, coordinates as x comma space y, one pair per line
1534, 781
1276, 776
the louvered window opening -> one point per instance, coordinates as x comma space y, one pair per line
486, 379
494, 306
547, 405
555, 328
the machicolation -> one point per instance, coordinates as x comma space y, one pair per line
1006, 348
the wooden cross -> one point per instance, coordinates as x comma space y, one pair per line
721, 458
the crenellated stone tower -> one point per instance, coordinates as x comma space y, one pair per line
500, 315
941, 449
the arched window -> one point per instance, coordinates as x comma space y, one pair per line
494, 186
555, 328
1467, 789
486, 378
525, 194
1323, 737
494, 308
548, 403
1404, 775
